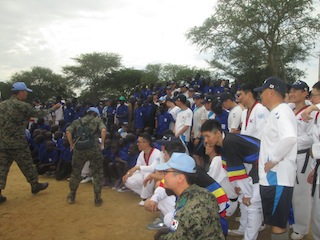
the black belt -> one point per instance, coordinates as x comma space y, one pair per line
314, 184
233, 199
307, 151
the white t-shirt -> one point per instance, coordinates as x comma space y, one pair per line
197, 115
234, 118
279, 144
253, 124
184, 118
59, 115
174, 112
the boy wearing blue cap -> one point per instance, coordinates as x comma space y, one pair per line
301, 198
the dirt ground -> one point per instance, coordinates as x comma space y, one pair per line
47, 216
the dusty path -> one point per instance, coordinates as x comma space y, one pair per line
47, 216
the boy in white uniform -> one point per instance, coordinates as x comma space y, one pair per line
277, 158
220, 175
182, 128
173, 110
227, 102
301, 200
254, 116
314, 176
147, 159
253, 119
198, 144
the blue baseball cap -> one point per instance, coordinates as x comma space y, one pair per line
300, 85
20, 86
163, 98
179, 161
273, 83
94, 109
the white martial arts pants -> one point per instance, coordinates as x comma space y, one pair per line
135, 183
167, 208
301, 198
251, 216
316, 213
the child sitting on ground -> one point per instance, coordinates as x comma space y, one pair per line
64, 168
127, 159
108, 161
49, 159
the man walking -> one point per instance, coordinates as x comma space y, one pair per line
14, 117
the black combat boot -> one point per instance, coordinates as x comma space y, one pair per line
2, 199
71, 197
35, 188
97, 199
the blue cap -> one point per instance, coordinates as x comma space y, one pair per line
20, 86
179, 161
163, 98
94, 109
198, 95
300, 85
273, 83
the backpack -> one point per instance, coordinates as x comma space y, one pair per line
85, 137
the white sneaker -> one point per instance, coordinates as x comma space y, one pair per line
262, 227
296, 236
86, 180
124, 189
141, 204
235, 232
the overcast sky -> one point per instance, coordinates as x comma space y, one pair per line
49, 33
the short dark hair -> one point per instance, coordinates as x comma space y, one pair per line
190, 177
248, 87
175, 146
316, 86
146, 137
211, 125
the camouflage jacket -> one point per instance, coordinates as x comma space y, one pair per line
196, 216
14, 117
96, 125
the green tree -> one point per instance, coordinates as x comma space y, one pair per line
93, 72
124, 81
44, 82
5, 90
258, 38
167, 72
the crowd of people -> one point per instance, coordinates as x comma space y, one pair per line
251, 147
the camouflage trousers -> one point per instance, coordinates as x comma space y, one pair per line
22, 157
79, 158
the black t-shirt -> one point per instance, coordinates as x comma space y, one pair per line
239, 149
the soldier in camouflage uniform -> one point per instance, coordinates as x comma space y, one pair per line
92, 154
14, 117
197, 212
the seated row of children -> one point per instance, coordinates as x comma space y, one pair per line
51, 153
